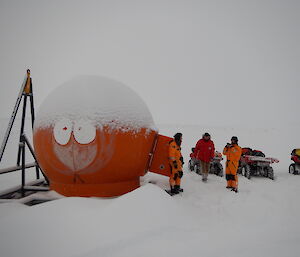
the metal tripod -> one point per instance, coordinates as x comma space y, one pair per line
25, 92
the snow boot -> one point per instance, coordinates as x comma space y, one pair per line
234, 190
204, 177
172, 191
180, 189
177, 189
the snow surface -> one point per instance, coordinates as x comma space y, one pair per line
96, 100
205, 220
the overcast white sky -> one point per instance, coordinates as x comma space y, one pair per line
218, 63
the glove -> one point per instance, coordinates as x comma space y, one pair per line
175, 164
180, 174
228, 145
181, 159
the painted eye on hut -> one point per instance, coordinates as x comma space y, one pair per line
84, 132
62, 131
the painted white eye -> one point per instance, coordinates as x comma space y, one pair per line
84, 132
62, 131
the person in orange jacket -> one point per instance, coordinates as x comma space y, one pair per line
233, 153
176, 163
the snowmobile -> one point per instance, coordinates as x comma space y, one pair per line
255, 163
294, 168
215, 165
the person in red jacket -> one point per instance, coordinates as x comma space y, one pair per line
205, 151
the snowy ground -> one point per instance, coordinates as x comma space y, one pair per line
205, 220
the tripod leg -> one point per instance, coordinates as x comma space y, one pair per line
12, 119
22, 126
33, 154
23, 165
32, 107
32, 123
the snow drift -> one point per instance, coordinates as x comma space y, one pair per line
99, 100
205, 220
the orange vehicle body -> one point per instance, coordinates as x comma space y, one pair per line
110, 165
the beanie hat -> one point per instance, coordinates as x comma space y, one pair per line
234, 138
177, 136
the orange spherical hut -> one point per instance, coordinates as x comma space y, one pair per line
96, 143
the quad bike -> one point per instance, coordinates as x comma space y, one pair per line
215, 165
254, 163
194, 164
294, 168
